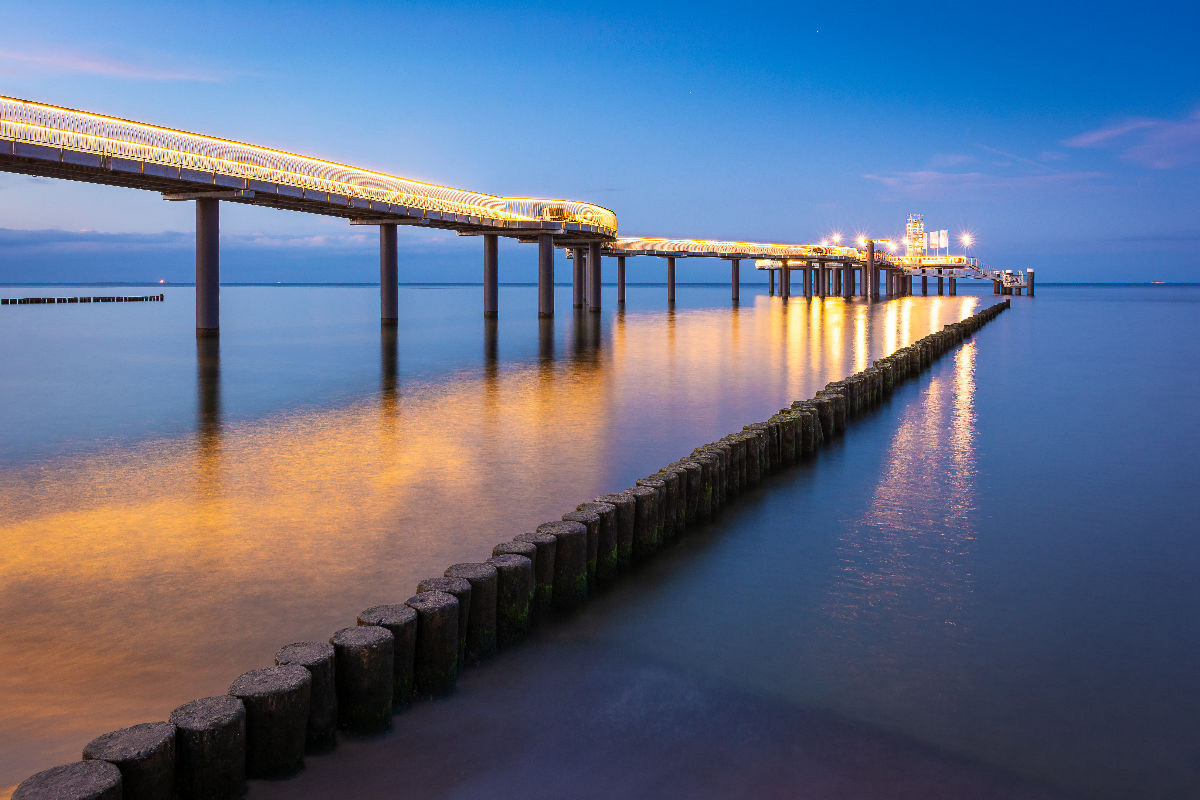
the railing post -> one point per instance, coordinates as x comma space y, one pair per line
545, 275
208, 267
491, 275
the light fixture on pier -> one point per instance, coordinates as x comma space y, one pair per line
861, 240
837, 238
967, 239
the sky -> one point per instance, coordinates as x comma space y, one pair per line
1063, 137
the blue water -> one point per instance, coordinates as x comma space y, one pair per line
998, 565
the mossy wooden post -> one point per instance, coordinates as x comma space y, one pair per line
570, 563
646, 528
606, 542
401, 621
481, 623
670, 503
660, 492
591, 521
144, 753
626, 513
81, 780
210, 748
436, 667
461, 589
514, 594
365, 675
317, 658
276, 700
543, 571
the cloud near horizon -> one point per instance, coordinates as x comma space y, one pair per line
921, 181
1153, 143
81, 64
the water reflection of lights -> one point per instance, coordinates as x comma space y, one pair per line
902, 589
140, 578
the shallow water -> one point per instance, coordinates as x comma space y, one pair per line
999, 563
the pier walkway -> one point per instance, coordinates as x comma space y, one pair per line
50, 141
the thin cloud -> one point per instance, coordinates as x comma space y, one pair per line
78, 64
950, 159
1153, 143
928, 181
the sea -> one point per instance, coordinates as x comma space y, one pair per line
988, 588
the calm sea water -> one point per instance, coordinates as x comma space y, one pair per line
999, 565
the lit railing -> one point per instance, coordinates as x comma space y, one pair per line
709, 247
81, 131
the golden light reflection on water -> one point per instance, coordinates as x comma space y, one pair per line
905, 578
137, 579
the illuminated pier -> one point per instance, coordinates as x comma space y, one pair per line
49, 141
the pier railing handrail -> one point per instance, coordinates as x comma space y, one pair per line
110, 137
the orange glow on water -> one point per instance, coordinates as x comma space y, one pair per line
139, 578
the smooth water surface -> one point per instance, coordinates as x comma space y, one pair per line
999, 563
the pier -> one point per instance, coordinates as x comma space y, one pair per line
50, 141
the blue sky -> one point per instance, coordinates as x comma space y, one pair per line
1064, 137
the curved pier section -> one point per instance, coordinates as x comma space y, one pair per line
54, 142
274, 716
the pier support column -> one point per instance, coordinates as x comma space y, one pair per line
621, 280
208, 267
848, 281
941, 288
545, 275
735, 279
491, 273
868, 272
785, 281
389, 276
671, 279
808, 278
593, 266
924, 284
1029, 280
953, 287
577, 266
821, 279
771, 275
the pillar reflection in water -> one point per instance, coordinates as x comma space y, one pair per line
901, 600
208, 412
272, 529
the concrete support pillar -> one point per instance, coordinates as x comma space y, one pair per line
953, 287
771, 274
491, 272
821, 279
924, 284
545, 275
735, 278
835, 281
389, 276
208, 267
848, 280
807, 277
941, 288
578, 257
670, 279
869, 274
621, 280
594, 266
785, 280
1029, 280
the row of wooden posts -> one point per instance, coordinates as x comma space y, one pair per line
37, 301
399, 653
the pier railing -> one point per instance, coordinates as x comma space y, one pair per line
109, 138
